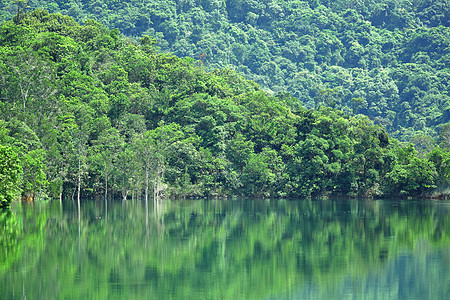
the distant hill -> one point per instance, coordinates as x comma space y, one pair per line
385, 59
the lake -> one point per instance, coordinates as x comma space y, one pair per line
227, 249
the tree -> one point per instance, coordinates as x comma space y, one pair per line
29, 79
20, 4
107, 149
412, 179
163, 139
444, 136
441, 160
10, 175
145, 150
28, 147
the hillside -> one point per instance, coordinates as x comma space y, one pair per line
86, 110
385, 59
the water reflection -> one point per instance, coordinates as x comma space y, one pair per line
216, 249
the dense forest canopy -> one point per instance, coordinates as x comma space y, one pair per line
84, 108
386, 59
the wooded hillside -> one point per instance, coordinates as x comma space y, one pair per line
85, 108
386, 59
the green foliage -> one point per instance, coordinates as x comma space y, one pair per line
441, 160
10, 175
85, 107
391, 55
412, 178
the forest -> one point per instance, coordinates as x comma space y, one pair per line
387, 59
87, 110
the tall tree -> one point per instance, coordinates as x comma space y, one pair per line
10, 175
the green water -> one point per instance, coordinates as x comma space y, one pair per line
227, 249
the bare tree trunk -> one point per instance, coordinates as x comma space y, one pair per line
146, 198
155, 194
146, 186
124, 190
73, 195
78, 198
146, 217
79, 184
106, 187
106, 198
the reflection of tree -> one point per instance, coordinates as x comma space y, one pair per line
10, 229
224, 249
21, 240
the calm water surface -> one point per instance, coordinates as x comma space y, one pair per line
227, 249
